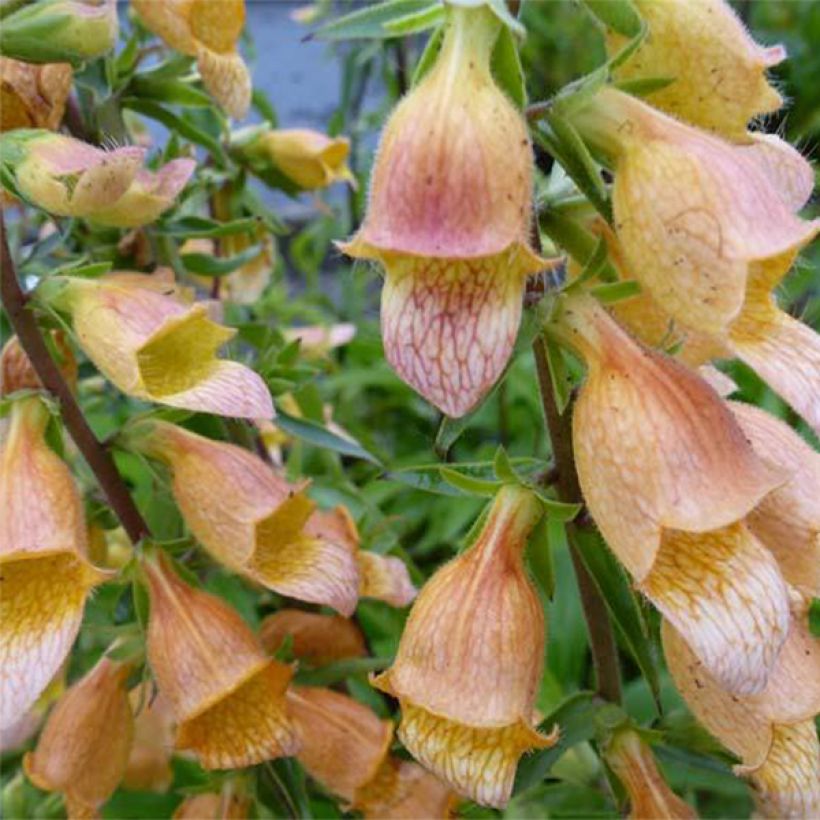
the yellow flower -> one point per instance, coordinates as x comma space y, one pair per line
718, 71
317, 639
149, 764
33, 96
649, 794
153, 346
773, 733
67, 177
46, 577
209, 31
84, 747
668, 475
227, 696
449, 220
250, 519
469, 661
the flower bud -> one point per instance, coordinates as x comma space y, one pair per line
667, 474
153, 346
16, 372
449, 219
718, 72
210, 32
227, 696
149, 764
649, 794
343, 743
317, 639
33, 96
773, 733
250, 519
469, 662
46, 577
247, 283
84, 747
67, 177
53, 31
209, 806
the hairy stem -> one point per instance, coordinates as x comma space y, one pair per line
98, 458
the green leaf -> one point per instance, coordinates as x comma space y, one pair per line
644, 86
428, 56
502, 11
320, 436
619, 15
415, 22
338, 671
539, 554
507, 69
814, 617
559, 510
592, 267
559, 376
468, 484
204, 264
173, 91
194, 227
503, 468
621, 601
576, 718
373, 21
616, 291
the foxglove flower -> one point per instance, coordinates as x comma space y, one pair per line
33, 96
469, 661
227, 696
67, 177
154, 346
717, 71
315, 638
149, 763
449, 220
84, 747
210, 32
250, 519
46, 577
668, 475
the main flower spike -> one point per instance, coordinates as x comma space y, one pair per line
210, 32
469, 662
449, 219
717, 72
33, 96
773, 733
84, 747
250, 519
45, 577
68, 177
668, 476
155, 347
315, 638
227, 696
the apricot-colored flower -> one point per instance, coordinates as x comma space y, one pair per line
318, 340
16, 372
210, 32
227, 696
317, 639
84, 747
668, 475
45, 575
67, 177
772, 733
449, 219
149, 764
650, 797
33, 96
469, 661
211, 806
153, 346
718, 71
250, 519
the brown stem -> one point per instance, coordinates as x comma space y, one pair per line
98, 458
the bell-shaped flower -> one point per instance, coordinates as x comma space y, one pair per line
227, 695
149, 764
210, 32
343, 742
772, 733
68, 177
668, 476
54, 31
316, 341
84, 747
212, 806
469, 662
155, 347
787, 520
315, 638
17, 373
650, 796
716, 210
250, 519
33, 96
449, 220
46, 577
717, 71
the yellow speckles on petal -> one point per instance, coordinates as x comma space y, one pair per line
217, 25
478, 762
227, 78
724, 594
248, 726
